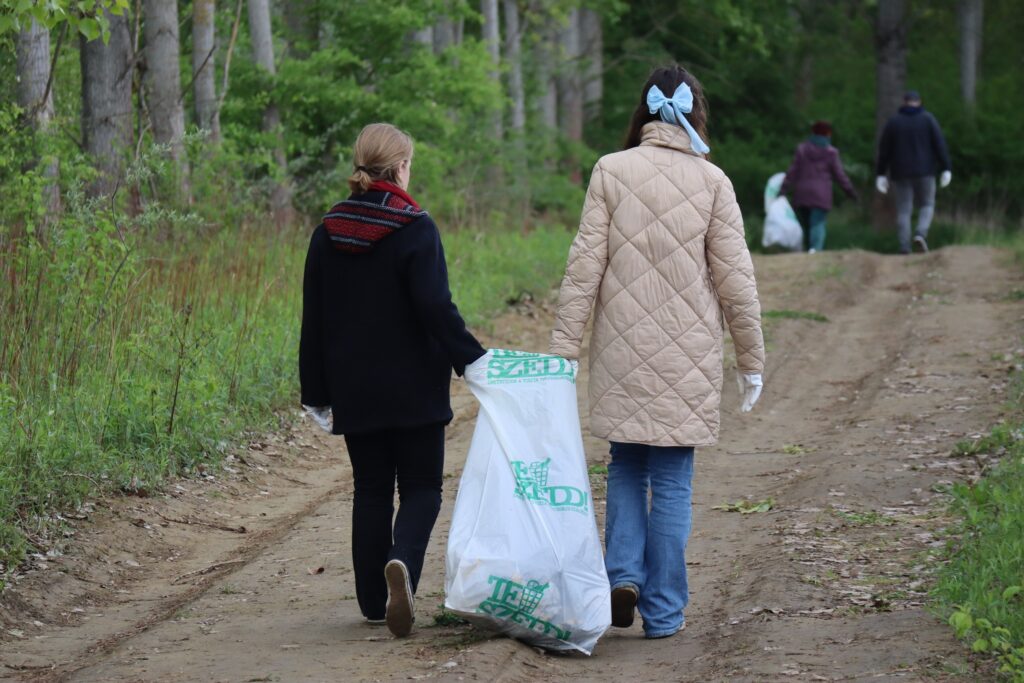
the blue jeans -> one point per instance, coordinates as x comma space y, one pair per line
812, 220
646, 541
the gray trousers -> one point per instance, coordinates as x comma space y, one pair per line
908, 192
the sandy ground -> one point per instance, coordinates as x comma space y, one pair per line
852, 440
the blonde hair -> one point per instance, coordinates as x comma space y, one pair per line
379, 150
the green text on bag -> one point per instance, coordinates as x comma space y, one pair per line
516, 602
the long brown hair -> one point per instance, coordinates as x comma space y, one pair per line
668, 78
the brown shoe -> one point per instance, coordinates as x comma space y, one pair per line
623, 606
400, 612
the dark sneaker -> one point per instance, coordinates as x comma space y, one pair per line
920, 244
623, 606
400, 611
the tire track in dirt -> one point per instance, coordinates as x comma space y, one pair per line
857, 421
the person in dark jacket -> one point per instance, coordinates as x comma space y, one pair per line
809, 183
380, 337
911, 152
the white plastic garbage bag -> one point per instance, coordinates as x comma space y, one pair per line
781, 227
524, 557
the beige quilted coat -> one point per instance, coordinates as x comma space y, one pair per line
661, 249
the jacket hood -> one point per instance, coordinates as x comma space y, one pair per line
661, 134
359, 223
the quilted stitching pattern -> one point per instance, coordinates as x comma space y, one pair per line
660, 257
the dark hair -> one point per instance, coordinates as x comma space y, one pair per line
668, 78
821, 128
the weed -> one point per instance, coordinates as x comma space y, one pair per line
746, 507
598, 469
794, 315
979, 584
859, 519
445, 617
793, 449
829, 271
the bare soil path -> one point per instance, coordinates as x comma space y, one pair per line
851, 441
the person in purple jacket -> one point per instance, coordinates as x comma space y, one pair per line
809, 183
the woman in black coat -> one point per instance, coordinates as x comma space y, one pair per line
380, 337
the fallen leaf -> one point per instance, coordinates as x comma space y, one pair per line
314, 572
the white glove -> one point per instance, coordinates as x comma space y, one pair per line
882, 184
322, 417
750, 390
945, 178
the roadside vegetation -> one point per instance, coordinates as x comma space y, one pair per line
981, 587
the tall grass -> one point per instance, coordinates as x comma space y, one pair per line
981, 588
134, 349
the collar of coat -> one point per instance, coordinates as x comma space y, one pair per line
359, 223
661, 134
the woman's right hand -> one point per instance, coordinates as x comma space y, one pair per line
750, 390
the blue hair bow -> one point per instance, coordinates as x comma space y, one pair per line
672, 110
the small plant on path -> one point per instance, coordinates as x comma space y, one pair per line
746, 507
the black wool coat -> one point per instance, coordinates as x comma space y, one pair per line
380, 332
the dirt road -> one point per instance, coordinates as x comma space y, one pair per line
851, 441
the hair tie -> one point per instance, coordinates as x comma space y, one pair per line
672, 110
363, 169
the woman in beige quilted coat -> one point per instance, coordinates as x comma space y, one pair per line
661, 251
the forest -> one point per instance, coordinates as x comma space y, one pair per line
162, 163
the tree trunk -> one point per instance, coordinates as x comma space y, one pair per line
570, 92
35, 97
443, 34
547, 49
302, 27
203, 68
492, 39
592, 46
890, 60
107, 103
970, 13
514, 57
263, 54
424, 36
163, 83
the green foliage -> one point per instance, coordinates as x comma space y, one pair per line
134, 347
980, 586
88, 17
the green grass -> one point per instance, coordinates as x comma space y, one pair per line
981, 585
127, 357
794, 315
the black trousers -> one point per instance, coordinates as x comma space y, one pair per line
414, 458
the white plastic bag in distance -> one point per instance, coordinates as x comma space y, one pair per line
781, 227
524, 556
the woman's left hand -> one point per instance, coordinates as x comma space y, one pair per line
322, 416
750, 390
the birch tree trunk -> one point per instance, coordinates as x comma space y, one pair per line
547, 54
492, 39
971, 16
263, 54
890, 60
514, 57
163, 83
424, 36
302, 25
203, 68
443, 34
592, 47
35, 97
107, 103
570, 95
